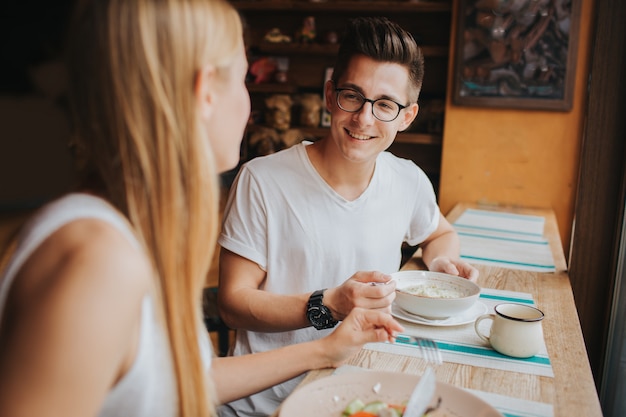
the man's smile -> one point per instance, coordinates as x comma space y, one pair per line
358, 136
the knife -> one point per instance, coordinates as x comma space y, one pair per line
421, 395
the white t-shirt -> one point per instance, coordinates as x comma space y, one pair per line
148, 389
282, 215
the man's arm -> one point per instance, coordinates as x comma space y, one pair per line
243, 305
441, 252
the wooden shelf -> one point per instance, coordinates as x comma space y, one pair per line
272, 88
292, 48
418, 138
346, 6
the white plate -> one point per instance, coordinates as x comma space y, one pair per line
468, 316
329, 396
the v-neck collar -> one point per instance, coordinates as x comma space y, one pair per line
315, 174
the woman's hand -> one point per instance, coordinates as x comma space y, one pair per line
359, 327
239, 376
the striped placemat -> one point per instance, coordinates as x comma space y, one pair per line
514, 407
461, 344
508, 406
508, 240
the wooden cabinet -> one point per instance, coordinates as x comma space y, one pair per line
305, 63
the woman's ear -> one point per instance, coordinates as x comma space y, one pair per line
205, 90
410, 113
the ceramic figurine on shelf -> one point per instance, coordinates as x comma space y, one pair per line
278, 111
291, 137
281, 77
310, 108
282, 66
264, 141
276, 36
263, 70
307, 33
331, 37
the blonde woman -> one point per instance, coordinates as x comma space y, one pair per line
100, 304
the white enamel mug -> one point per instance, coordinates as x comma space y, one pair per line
515, 329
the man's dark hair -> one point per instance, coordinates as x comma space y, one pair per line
384, 41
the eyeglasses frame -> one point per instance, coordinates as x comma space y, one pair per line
367, 100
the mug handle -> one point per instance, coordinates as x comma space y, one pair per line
478, 320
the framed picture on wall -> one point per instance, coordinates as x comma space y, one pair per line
516, 53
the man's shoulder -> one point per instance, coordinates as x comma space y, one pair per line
404, 166
273, 162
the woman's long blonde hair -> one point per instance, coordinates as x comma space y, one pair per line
133, 68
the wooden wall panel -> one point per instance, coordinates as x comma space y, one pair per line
602, 184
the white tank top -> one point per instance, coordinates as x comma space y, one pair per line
148, 389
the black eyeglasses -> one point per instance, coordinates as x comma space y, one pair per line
352, 101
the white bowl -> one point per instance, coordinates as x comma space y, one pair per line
434, 295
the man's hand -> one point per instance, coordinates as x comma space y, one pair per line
454, 267
370, 290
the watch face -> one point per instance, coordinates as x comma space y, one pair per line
317, 316
320, 317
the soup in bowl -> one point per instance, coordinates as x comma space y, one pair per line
434, 295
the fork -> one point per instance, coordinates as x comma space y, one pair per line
428, 347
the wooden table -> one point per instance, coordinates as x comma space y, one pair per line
571, 391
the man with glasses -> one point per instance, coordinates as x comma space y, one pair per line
308, 230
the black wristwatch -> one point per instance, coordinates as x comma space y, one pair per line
317, 313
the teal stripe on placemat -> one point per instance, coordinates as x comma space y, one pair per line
494, 229
477, 351
505, 298
480, 351
529, 217
508, 239
516, 414
476, 258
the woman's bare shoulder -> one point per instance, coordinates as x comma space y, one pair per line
90, 254
73, 315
